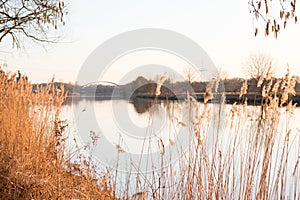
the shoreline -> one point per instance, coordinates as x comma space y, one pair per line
230, 98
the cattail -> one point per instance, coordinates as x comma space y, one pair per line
172, 143
260, 81
208, 94
263, 92
287, 74
276, 86
232, 111
272, 103
140, 196
162, 146
199, 139
268, 89
104, 180
119, 148
157, 92
291, 87
159, 84
284, 97
181, 124
286, 79
268, 74
290, 108
244, 88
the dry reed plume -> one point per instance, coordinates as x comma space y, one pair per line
249, 157
33, 164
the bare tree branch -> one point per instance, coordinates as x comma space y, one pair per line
275, 14
258, 65
32, 19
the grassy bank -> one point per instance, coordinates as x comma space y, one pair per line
33, 164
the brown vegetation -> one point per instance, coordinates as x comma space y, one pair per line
33, 164
249, 160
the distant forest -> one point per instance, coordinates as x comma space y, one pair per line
144, 86
147, 89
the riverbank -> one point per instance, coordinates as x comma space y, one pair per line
229, 98
34, 163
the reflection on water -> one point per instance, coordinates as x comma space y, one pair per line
137, 134
140, 129
142, 105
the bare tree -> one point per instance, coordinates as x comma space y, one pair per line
190, 74
274, 14
221, 74
257, 65
33, 19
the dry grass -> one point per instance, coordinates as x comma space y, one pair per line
33, 164
254, 155
250, 157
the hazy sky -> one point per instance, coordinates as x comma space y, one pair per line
224, 29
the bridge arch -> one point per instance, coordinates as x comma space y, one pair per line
99, 82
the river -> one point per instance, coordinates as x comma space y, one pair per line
145, 135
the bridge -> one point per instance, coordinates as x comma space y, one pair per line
95, 83
92, 90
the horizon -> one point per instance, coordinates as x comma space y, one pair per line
111, 83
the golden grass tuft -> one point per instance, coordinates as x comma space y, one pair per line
33, 164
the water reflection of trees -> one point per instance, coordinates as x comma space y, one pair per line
76, 100
140, 105
143, 105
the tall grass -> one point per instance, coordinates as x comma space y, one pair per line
254, 155
33, 163
254, 152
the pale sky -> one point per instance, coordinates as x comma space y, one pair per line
224, 29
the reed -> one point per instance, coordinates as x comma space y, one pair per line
249, 157
33, 162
